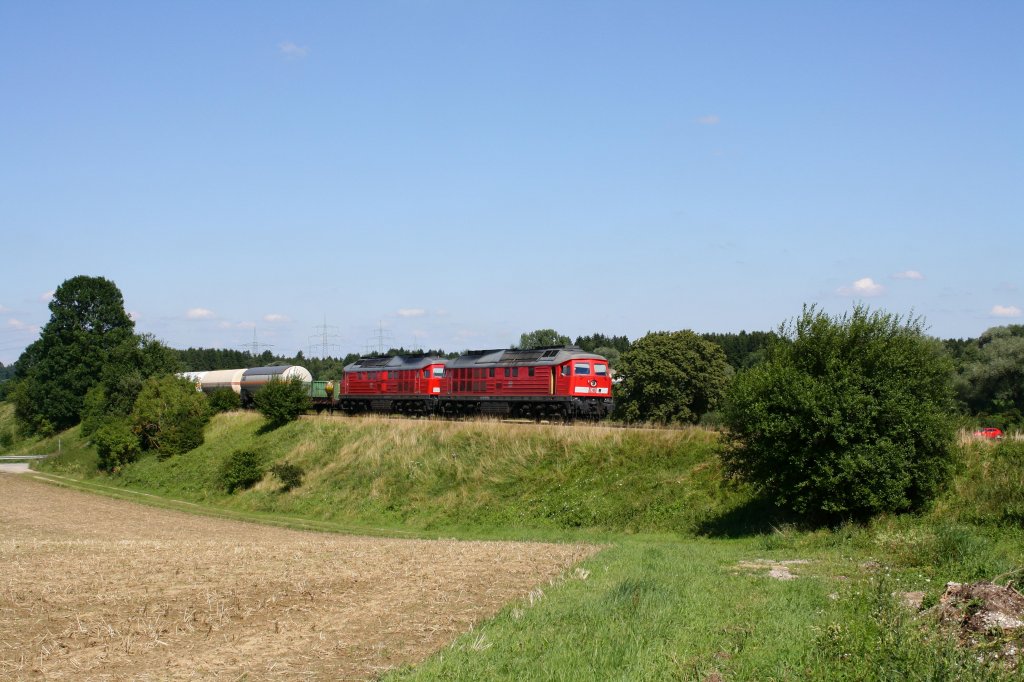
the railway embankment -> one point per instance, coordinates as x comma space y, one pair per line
479, 478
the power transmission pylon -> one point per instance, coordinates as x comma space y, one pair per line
255, 346
381, 336
322, 341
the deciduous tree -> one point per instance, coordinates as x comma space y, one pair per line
87, 324
671, 377
543, 337
992, 381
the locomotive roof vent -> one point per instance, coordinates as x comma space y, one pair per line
478, 353
375, 362
521, 355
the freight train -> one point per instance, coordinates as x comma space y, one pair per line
559, 382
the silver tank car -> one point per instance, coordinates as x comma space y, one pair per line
256, 378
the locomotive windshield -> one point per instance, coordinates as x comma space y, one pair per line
582, 368
439, 371
600, 369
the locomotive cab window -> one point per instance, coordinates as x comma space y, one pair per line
582, 369
566, 371
600, 369
439, 371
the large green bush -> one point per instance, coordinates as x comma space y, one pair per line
290, 475
116, 445
243, 469
847, 417
282, 401
224, 400
169, 415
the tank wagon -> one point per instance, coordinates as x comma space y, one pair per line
257, 377
194, 377
246, 382
230, 379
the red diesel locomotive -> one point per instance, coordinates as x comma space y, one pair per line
563, 382
409, 384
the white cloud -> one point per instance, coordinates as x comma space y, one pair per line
863, 287
46, 296
1006, 311
908, 274
412, 312
199, 314
274, 317
292, 51
709, 120
4, 309
21, 326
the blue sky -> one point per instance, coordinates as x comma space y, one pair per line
461, 172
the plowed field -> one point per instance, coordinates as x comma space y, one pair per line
93, 588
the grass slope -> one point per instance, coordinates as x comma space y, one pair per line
683, 592
461, 477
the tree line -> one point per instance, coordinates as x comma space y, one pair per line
844, 416
96, 344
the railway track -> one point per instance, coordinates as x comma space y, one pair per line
495, 420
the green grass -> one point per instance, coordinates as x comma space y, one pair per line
989, 487
678, 594
478, 479
693, 610
11, 439
77, 454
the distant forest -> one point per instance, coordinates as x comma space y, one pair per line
742, 350
989, 369
205, 359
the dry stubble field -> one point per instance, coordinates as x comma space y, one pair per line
93, 588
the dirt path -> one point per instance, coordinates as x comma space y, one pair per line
93, 588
